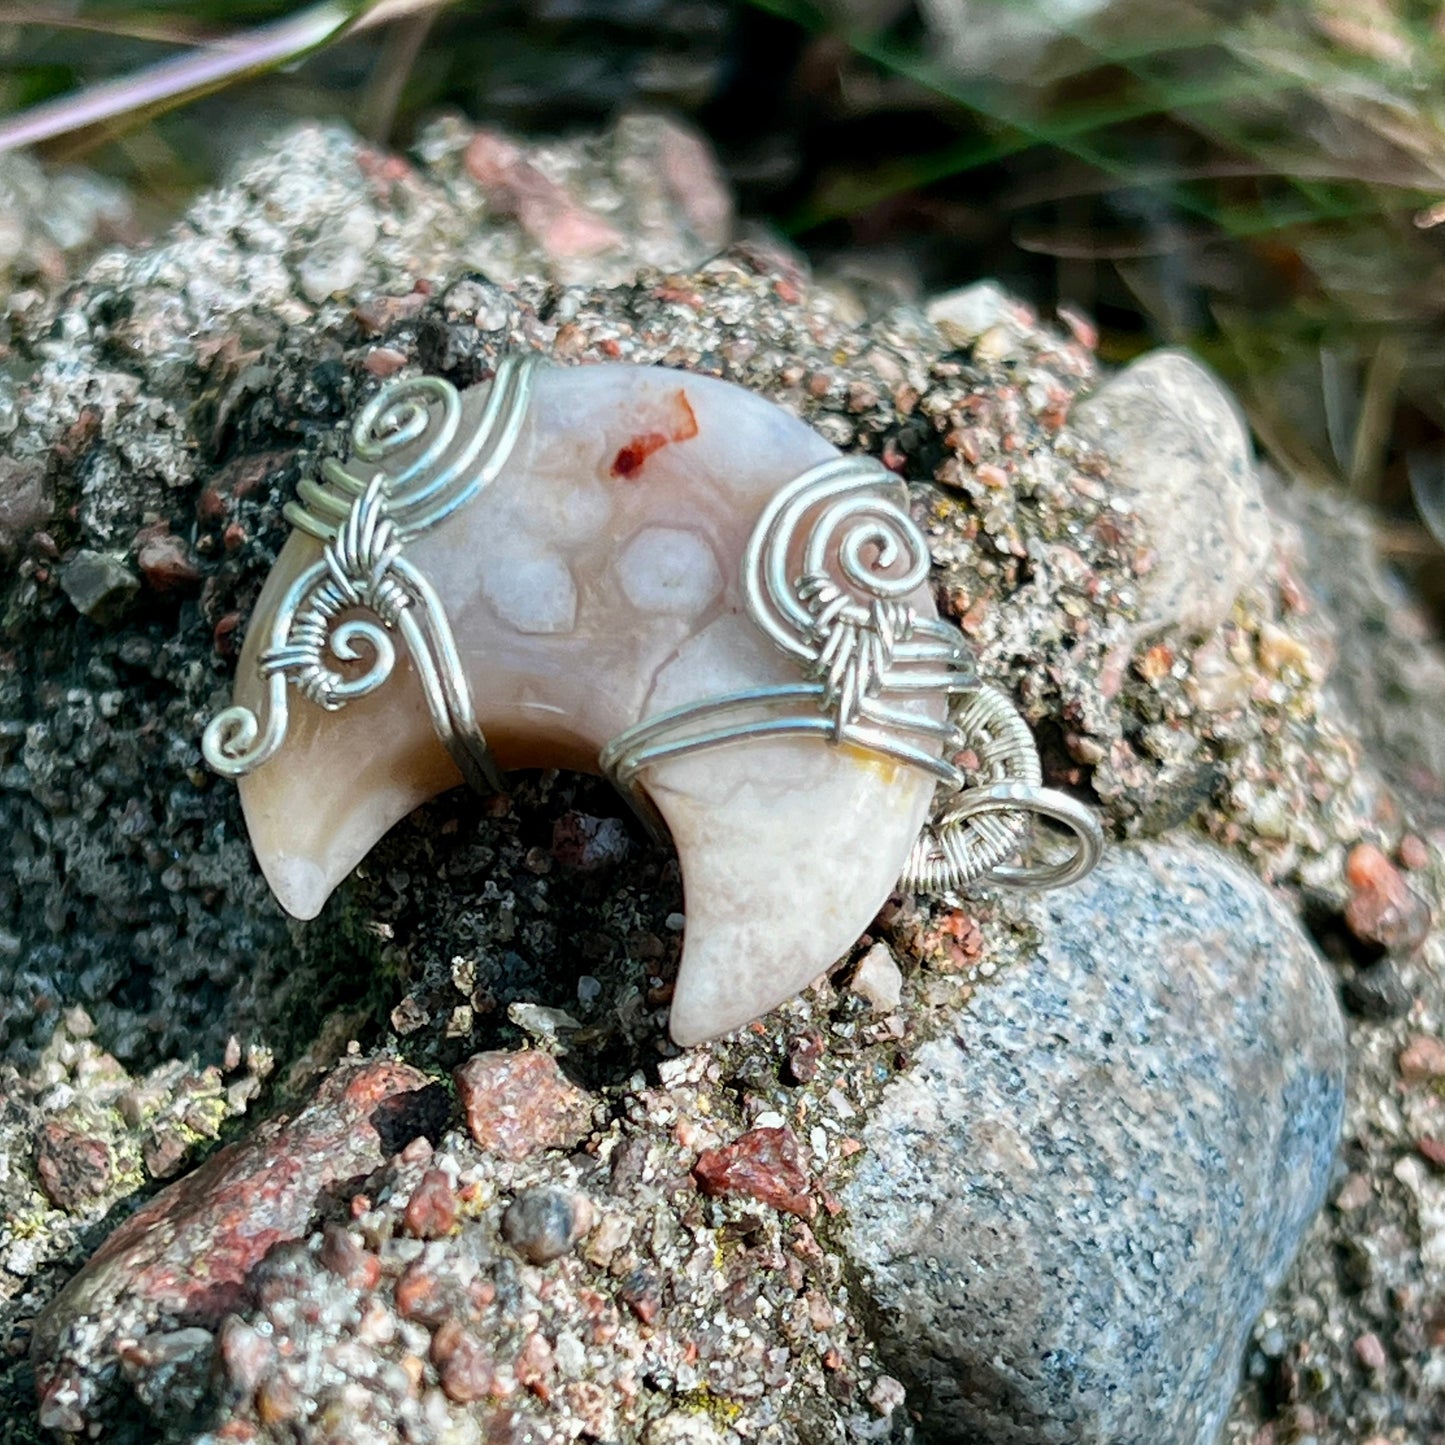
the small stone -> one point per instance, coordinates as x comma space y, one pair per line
1413, 852
766, 1164
1422, 1059
519, 1102
26, 501
164, 560
585, 843
535, 1365
560, 225
1370, 1352
641, 1292
164, 1151
1355, 1193
98, 584
420, 1295
1431, 1150
805, 1053
967, 313
1377, 992
465, 1366
431, 1212
344, 1255
1383, 910
887, 1395
74, 1168
277, 1401
878, 979
543, 1224
247, 1356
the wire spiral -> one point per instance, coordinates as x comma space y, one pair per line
826, 575
364, 522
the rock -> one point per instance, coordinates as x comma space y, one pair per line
131, 886
50, 215
1377, 991
164, 560
518, 1103
1180, 455
969, 312
432, 1209
586, 843
878, 979
766, 1164
73, 1167
188, 1254
26, 501
1383, 910
516, 186
544, 1224
1423, 1059
98, 584
1071, 1208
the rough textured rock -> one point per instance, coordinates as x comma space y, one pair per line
595, 1294
516, 1104
1070, 1212
184, 1262
177, 391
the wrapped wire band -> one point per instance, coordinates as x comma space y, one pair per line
364, 524
865, 653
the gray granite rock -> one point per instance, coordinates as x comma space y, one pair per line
1070, 1212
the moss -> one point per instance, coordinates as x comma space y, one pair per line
718, 1408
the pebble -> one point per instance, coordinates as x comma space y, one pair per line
1422, 1060
343, 1254
1383, 910
765, 1164
878, 979
165, 561
587, 844
1370, 1352
98, 584
544, 1224
74, 1168
1136, 1127
965, 314
26, 500
517, 1103
1377, 992
431, 1212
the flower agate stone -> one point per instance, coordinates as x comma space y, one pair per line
596, 582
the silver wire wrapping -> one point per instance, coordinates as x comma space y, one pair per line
864, 651
364, 524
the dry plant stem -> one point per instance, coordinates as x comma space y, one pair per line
194, 74
392, 71
1377, 413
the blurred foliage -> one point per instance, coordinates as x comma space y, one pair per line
1261, 180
